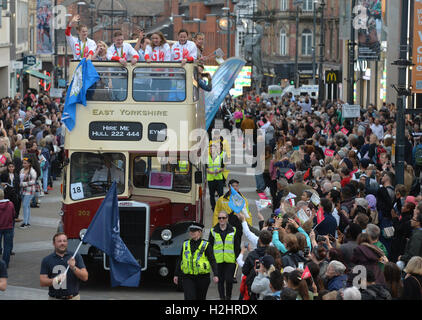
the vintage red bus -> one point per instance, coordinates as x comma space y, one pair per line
132, 114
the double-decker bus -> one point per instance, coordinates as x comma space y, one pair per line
119, 136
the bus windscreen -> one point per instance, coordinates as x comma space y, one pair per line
92, 174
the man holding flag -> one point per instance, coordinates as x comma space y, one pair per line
62, 285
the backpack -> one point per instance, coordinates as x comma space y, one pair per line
249, 280
418, 156
292, 259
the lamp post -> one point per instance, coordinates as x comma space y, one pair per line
228, 28
351, 80
402, 94
314, 44
297, 3
321, 91
199, 23
80, 3
65, 53
91, 16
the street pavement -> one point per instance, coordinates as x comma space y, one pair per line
33, 244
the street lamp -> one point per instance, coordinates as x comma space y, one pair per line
199, 24
314, 43
228, 28
81, 3
321, 90
297, 3
65, 52
91, 14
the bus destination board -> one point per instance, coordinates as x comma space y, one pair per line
116, 131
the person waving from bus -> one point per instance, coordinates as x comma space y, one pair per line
184, 50
121, 52
82, 47
199, 40
159, 50
141, 45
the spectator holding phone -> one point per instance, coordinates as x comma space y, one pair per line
261, 284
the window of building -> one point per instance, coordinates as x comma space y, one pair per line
306, 42
283, 42
308, 5
284, 5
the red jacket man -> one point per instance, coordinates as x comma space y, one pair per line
7, 216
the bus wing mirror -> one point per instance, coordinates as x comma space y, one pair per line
198, 177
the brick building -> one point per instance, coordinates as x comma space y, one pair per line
279, 42
199, 16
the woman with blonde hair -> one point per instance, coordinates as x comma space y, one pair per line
101, 52
412, 284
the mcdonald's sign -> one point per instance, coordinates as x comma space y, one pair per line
332, 77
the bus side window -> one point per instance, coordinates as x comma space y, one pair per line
140, 173
112, 85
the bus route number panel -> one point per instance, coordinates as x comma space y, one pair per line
115, 131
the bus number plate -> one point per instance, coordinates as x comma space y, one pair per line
119, 131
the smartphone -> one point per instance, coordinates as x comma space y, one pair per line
257, 265
300, 265
320, 239
246, 245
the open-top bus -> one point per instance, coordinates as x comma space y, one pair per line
129, 116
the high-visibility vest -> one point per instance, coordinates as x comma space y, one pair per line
224, 251
196, 263
215, 165
183, 166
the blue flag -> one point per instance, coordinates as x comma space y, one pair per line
104, 234
236, 201
222, 81
84, 77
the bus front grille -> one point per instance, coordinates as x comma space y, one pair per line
133, 231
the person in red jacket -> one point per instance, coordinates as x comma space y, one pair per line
7, 219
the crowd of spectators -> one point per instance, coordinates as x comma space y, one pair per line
342, 226
31, 154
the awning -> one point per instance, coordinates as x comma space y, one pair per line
37, 74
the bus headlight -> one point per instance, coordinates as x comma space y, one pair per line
82, 233
166, 234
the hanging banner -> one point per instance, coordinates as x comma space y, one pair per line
417, 48
368, 21
222, 81
45, 30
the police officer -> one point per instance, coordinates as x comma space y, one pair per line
195, 264
225, 241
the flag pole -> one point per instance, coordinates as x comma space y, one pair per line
74, 255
